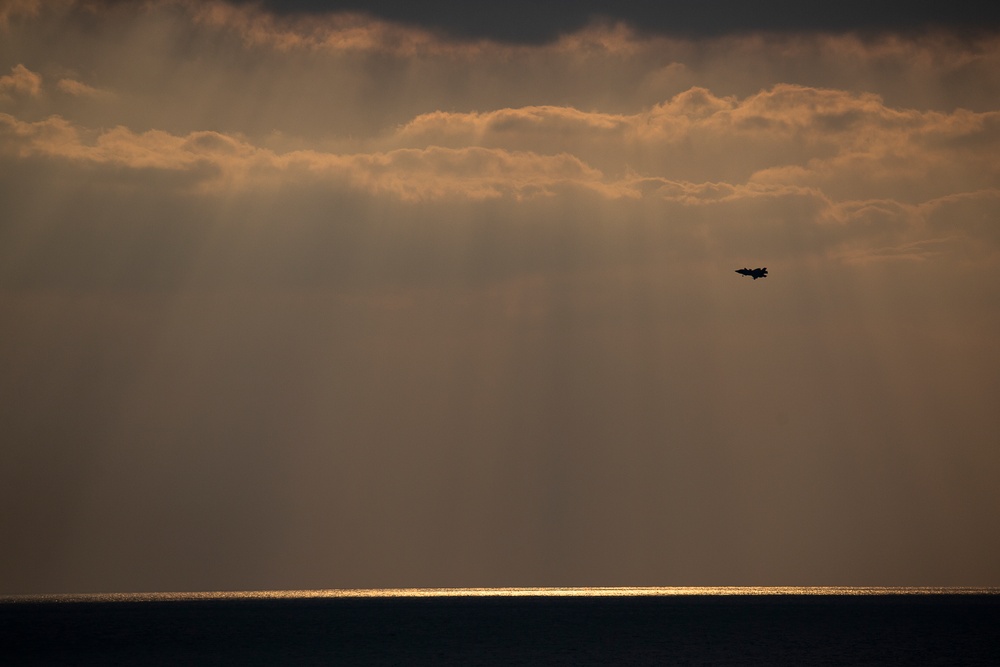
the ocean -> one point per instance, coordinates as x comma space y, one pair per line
585, 626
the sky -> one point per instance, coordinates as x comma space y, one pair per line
357, 295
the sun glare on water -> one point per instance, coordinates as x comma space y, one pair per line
510, 592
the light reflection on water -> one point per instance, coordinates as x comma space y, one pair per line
649, 591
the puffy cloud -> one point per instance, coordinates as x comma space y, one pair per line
21, 81
934, 69
822, 171
410, 174
53, 136
241, 70
79, 89
850, 145
58, 138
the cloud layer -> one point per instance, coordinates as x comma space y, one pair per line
850, 175
523, 21
285, 295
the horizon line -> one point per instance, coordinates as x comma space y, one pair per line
509, 591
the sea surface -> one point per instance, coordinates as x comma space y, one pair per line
509, 626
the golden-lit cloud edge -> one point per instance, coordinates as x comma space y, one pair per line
871, 178
847, 146
217, 165
20, 81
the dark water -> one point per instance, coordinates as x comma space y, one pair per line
525, 628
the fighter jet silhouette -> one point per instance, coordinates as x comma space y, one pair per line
753, 273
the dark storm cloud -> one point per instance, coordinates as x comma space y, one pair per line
534, 21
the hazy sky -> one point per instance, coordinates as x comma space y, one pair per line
423, 297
